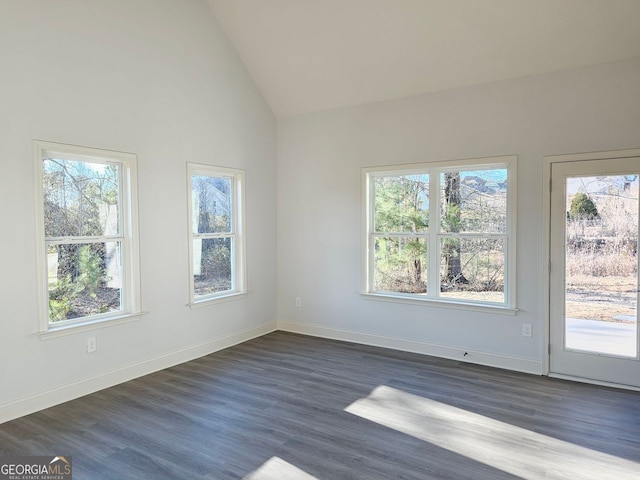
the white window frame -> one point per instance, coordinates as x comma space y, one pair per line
237, 233
128, 236
434, 233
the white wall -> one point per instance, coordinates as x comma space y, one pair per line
319, 207
159, 79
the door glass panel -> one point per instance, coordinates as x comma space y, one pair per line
601, 277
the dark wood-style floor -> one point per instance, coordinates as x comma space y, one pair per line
286, 406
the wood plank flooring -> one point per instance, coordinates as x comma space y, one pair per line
286, 406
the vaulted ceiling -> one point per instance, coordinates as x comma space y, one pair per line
312, 55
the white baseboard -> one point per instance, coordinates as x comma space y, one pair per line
64, 393
517, 364
594, 382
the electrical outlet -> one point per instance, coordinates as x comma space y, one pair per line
92, 344
526, 330
298, 302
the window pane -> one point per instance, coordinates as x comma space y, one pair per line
472, 269
80, 198
84, 279
400, 265
211, 202
474, 201
401, 203
212, 265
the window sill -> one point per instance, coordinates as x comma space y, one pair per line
440, 303
218, 299
62, 330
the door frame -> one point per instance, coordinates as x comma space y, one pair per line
548, 161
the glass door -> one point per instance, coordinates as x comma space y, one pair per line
594, 270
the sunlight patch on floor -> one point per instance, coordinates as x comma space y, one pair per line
277, 469
503, 446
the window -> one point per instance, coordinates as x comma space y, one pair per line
442, 231
216, 233
87, 223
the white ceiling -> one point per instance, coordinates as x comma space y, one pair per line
312, 55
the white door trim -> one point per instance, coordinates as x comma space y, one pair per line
548, 161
